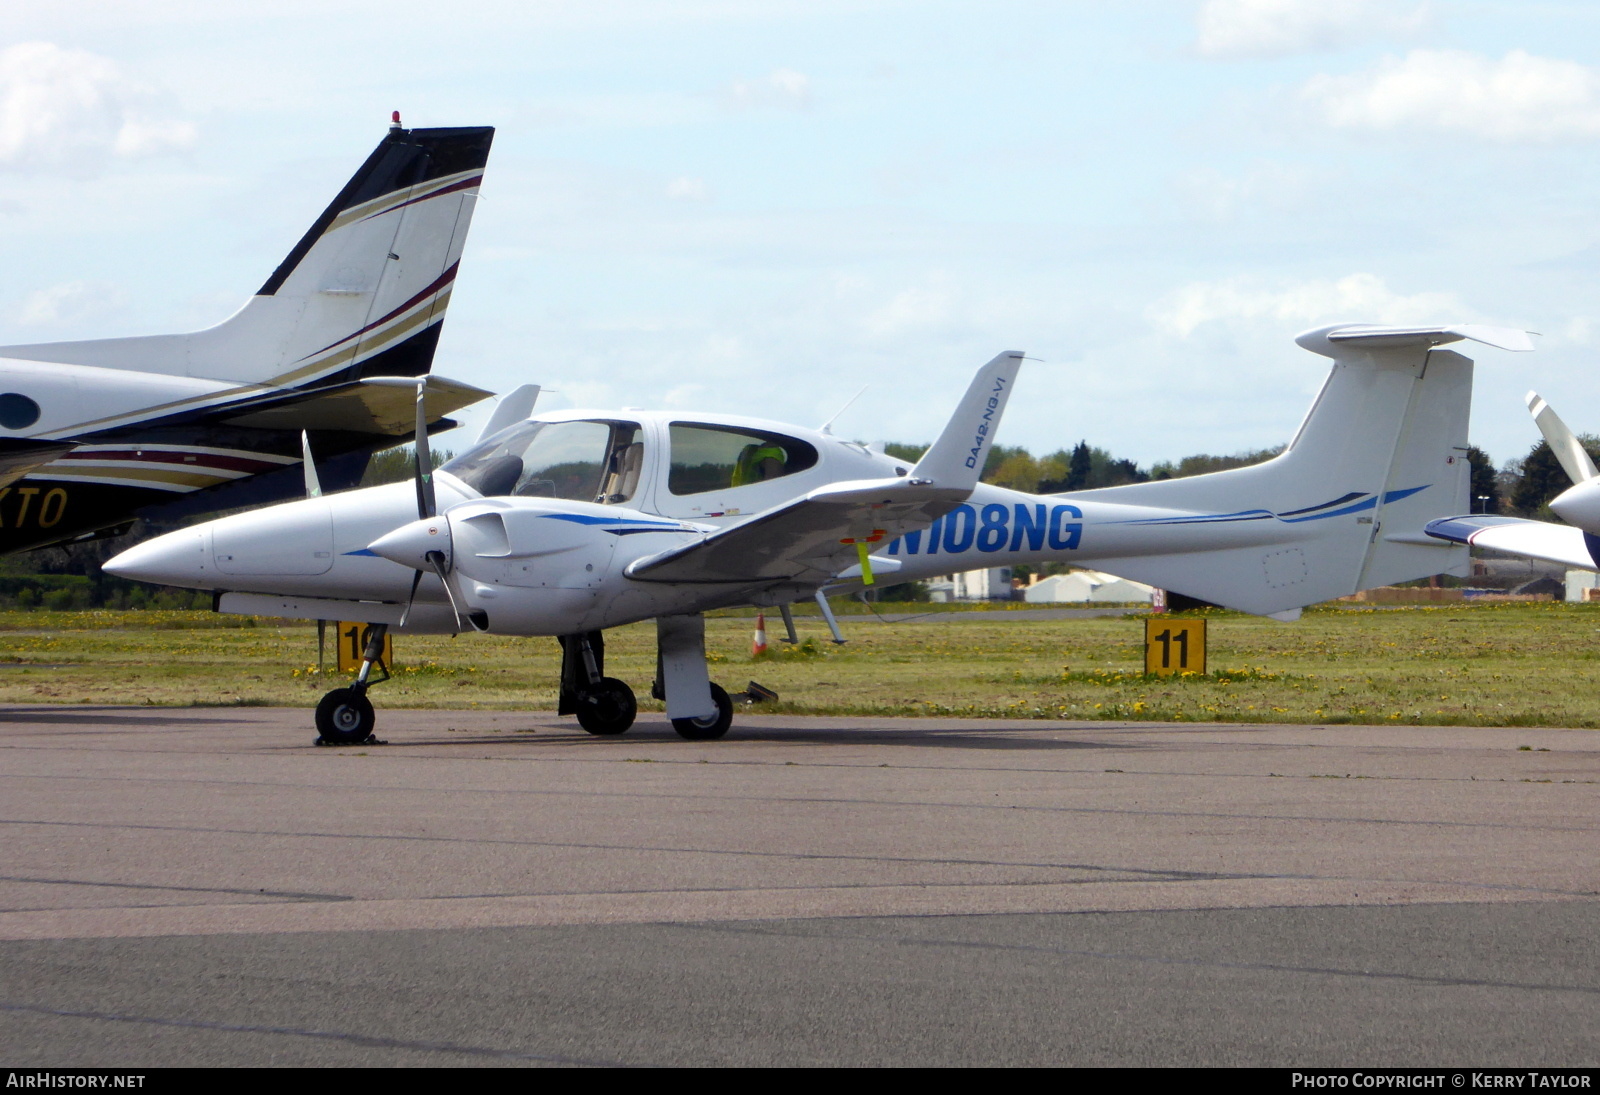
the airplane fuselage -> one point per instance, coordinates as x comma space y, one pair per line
564, 568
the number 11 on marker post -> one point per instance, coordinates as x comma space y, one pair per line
1174, 646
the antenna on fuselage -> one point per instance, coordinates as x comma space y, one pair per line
827, 427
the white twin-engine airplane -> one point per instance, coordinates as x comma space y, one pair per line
1577, 543
567, 523
323, 358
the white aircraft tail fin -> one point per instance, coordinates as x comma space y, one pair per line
362, 294
1380, 454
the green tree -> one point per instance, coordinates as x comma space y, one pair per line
399, 464
1540, 479
1205, 463
1018, 471
1485, 489
909, 453
1079, 465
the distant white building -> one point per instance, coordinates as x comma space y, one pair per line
988, 584
1580, 583
1086, 586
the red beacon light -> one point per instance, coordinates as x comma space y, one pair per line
394, 120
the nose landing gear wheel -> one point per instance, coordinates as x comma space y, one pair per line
607, 708
712, 727
344, 717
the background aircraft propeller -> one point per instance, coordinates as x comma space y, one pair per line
1579, 504
1574, 459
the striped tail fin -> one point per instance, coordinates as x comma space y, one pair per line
362, 294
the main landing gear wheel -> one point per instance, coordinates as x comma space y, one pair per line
607, 707
344, 717
713, 727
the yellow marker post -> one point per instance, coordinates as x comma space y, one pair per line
1174, 646
352, 646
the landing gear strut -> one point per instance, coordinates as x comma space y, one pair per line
699, 710
603, 705
345, 715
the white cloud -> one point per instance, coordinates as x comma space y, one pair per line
71, 303
1357, 298
1279, 28
1219, 197
782, 87
915, 310
687, 189
1519, 97
68, 109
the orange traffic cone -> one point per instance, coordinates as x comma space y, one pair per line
758, 645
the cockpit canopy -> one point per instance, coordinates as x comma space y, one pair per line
707, 457
579, 461
603, 460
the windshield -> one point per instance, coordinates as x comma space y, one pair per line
580, 461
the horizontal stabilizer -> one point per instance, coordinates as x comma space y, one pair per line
1536, 539
1335, 340
377, 405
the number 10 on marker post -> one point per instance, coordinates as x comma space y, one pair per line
1174, 646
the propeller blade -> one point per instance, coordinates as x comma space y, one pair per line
438, 561
1568, 449
416, 580
427, 502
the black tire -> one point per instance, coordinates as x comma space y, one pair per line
607, 708
711, 728
345, 717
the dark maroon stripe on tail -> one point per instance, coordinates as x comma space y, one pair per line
432, 287
464, 184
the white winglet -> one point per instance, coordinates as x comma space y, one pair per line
1568, 449
956, 459
513, 407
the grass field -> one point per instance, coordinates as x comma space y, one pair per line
1497, 665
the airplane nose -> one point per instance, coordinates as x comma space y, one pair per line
176, 559
409, 545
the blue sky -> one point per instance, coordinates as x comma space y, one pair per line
760, 207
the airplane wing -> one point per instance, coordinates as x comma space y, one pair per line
819, 536
385, 405
18, 456
811, 539
1536, 539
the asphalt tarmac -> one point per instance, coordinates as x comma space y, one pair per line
205, 887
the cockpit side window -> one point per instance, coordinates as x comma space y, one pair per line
580, 461
707, 458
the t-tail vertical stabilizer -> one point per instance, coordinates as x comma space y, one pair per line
1381, 453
